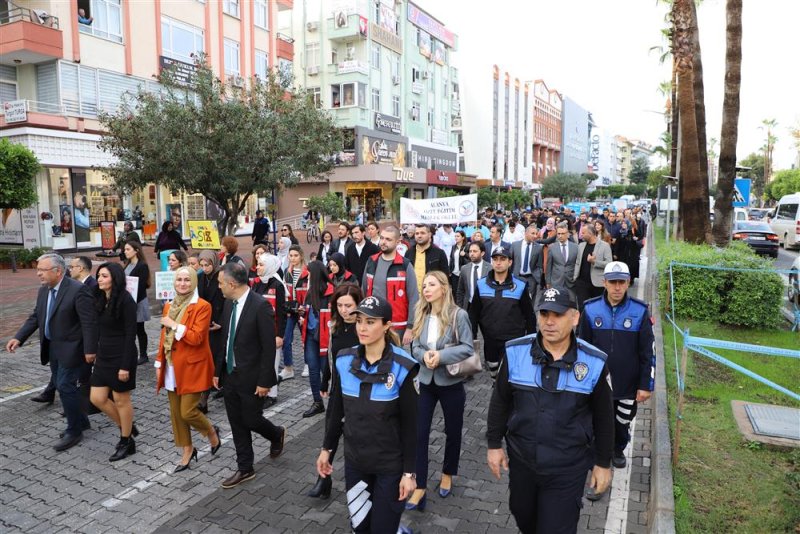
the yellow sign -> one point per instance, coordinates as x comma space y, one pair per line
204, 234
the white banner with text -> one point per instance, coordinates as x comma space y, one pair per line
448, 210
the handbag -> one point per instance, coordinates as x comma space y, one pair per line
468, 366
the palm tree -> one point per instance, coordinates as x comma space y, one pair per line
723, 202
769, 124
693, 186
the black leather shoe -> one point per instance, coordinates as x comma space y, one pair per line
67, 442
125, 448
317, 407
44, 398
276, 447
322, 489
619, 460
269, 402
86, 426
237, 478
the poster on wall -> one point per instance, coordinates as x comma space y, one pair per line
383, 151
108, 235
10, 227
438, 52
425, 44
175, 216
30, 228
80, 208
204, 234
65, 220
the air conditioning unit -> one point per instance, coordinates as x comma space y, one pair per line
313, 70
312, 26
426, 75
396, 80
456, 122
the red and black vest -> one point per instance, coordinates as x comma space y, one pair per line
396, 292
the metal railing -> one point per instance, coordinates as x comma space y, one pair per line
36, 16
42, 107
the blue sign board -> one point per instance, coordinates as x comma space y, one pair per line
741, 193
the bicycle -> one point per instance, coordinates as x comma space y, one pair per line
313, 231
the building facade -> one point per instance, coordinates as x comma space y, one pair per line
384, 70
64, 62
547, 104
603, 158
575, 138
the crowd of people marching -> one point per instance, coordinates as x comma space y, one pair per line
389, 320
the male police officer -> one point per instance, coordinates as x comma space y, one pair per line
620, 326
552, 404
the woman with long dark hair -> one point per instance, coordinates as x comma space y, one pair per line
252, 274
295, 295
136, 265
208, 289
324, 252
374, 403
337, 273
177, 259
458, 256
344, 302
169, 239
115, 362
286, 231
269, 284
315, 317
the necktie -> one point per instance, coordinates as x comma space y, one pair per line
51, 303
564, 251
526, 264
231, 336
474, 280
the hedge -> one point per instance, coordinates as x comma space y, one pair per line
22, 255
746, 299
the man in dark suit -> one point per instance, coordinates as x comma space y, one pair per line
495, 242
67, 322
342, 241
471, 273
80, 269
561, 257
246, 363
360, 251
529, 255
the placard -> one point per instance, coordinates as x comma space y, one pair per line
204, 234
108, 235
165, 285
132, 286
449, 210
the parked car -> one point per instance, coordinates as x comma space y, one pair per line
786, 222
758, 235
758, 214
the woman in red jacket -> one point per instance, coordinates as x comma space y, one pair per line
185, 366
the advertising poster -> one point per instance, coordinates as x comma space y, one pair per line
425, 43
10, 227
438, 52
204, 234
80, 209
383, 151
175, 215
65, 218
449, 210
165, 285
108, 235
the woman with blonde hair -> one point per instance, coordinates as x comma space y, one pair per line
442, 336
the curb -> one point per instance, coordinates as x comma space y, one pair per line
661, 512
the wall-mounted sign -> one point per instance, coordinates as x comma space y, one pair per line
441, 178
183, 72
406, 175
424, 21
440, 137
417, 88
387, 123
438, 52
15, 111
386, 38
363, 25
383, 152
352, 65
431, 158
424, 43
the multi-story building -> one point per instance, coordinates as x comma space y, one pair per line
575, 138
383, 69
603, 158
628, 151
547, 105
62, 62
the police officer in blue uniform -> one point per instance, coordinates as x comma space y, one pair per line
502, 306
552, 403
620, 326
373, 400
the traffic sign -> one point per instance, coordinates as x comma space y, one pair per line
741, 193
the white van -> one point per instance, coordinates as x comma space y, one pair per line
786, 222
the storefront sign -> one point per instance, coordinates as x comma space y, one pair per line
387, 123
30, 228
165, 285
386, 38
183, 72
449, 210
407, 175
353, 65
417, 88
424, 42
440, 137
204, 234
108, 235
10, 227
431, 158
442, 178
15, 111
424, 21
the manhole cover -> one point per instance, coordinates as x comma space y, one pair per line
775, 421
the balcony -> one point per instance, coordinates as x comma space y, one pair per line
285, 5
343, 27
284, 46
38, 114
29, 36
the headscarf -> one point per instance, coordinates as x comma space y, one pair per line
177, 309
283, 253
271, 264
550, 225
211, 257
338, 259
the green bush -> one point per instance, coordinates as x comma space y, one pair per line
747, 299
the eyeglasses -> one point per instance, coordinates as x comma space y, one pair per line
284, 229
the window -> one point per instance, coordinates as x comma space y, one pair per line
430, 117
315, 96
180, 41
285, 72
415, 112
432, 81
231, 7
106, 18
395, 65
415, 73
376, 56
312, 55
376, 100
262, 65
261, 14
8, 83
395, 105
231, 58
334, 56
346, 95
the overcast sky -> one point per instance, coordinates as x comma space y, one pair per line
597, 53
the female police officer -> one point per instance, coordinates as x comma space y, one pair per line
552, 404
374, 401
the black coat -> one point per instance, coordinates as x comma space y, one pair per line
73, 324
435, 259
356, 263
142, 271
116, 347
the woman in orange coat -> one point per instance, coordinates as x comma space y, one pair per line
185, 366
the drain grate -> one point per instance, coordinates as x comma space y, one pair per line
775, 421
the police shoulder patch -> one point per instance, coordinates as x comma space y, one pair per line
580, 370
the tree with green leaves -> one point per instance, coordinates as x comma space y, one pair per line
329, 205
514, 198
444, 192
639, 171
486, 197
616, 190
755, 163
655, 179
564, 185
18, 168
224, 142
785, 182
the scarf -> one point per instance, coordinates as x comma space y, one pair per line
283, 253
271, 264
177, 309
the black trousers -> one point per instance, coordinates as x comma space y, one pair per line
544, 504
585, 291
245, 415
452, 399
372, 500
494, 351
624, 412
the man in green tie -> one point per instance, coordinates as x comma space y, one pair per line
246, 362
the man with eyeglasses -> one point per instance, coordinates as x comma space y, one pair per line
80, 269
66, 318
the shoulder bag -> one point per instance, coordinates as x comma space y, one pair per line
469, 366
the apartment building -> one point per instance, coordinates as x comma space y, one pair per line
383, 69
64, 61
547, 104
575, 138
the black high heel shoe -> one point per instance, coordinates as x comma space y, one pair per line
184, 467
322, 488
219, 441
